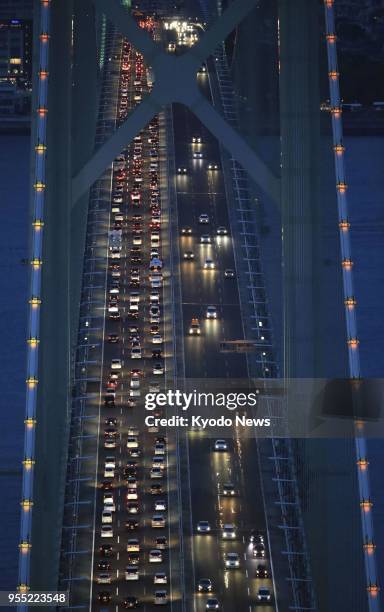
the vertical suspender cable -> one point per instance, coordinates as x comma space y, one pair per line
362, 463
34, 300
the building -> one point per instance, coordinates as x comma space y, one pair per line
16, 9
16, 51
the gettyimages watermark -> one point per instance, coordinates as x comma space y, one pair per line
301, 408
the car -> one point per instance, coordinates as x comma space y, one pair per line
132, 507
106, 517
262, 571
196, 139
109, 502
155, 556
131, 572
258, 551
181, 170
211, 312
133, 558
106, 531
156, 472
204, 585
158, 461
104, 597
131, 524
213, 167
229, 531
203, 527
212, 604
156, 489
130, 602
186, 231
222, 231
197, 155
106, 550
229, 489
194, 328
109, 472
160, 448
229, 273
132, 442
205, 239
256, 537
104, 578
161, 543
136, 352
160, 504
116, 364
231, 560
220, 445
157, 339
158, 369
189, 256
160, 578
203, 218
133, 545
209, 264
158, 520
264, 594
113, 338
160, 598
103, 565
156, 354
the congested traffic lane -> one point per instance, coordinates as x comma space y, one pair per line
129, 458
200, 191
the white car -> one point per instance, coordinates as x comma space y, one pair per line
158, 369
211, 312
264, 594
114, 291
104, 578
135, 382
134, 297
197, 155
160, 598
204, 219
110, 461
157, 339
155, 556
221, 231
220, 445
132, 442
205, 239
209, 264
158, 520
160, 578
203, 527
160, 505
131, 494
109, 472
106, 531
136, 352
159, 448
109, 502
106, 517
131, 572
232, 560
116, 364
156, 472
158, 461
133, 545
229, 531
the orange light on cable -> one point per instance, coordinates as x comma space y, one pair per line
43, 74
363, 464
39, 186
36, 263
353, 343
35, 301
331, 38
42, 111
373, 590
328, 3
22, 588
26, 504
347, 264
366, 505
44, 37
333, 75
25, 547
28, 464
369, 548
38, 224
339, 149
30, 423
32, 382
45, 2
341, 187
336, 112
40, 148
344, 225
350, 302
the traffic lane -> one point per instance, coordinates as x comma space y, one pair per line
230, 586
